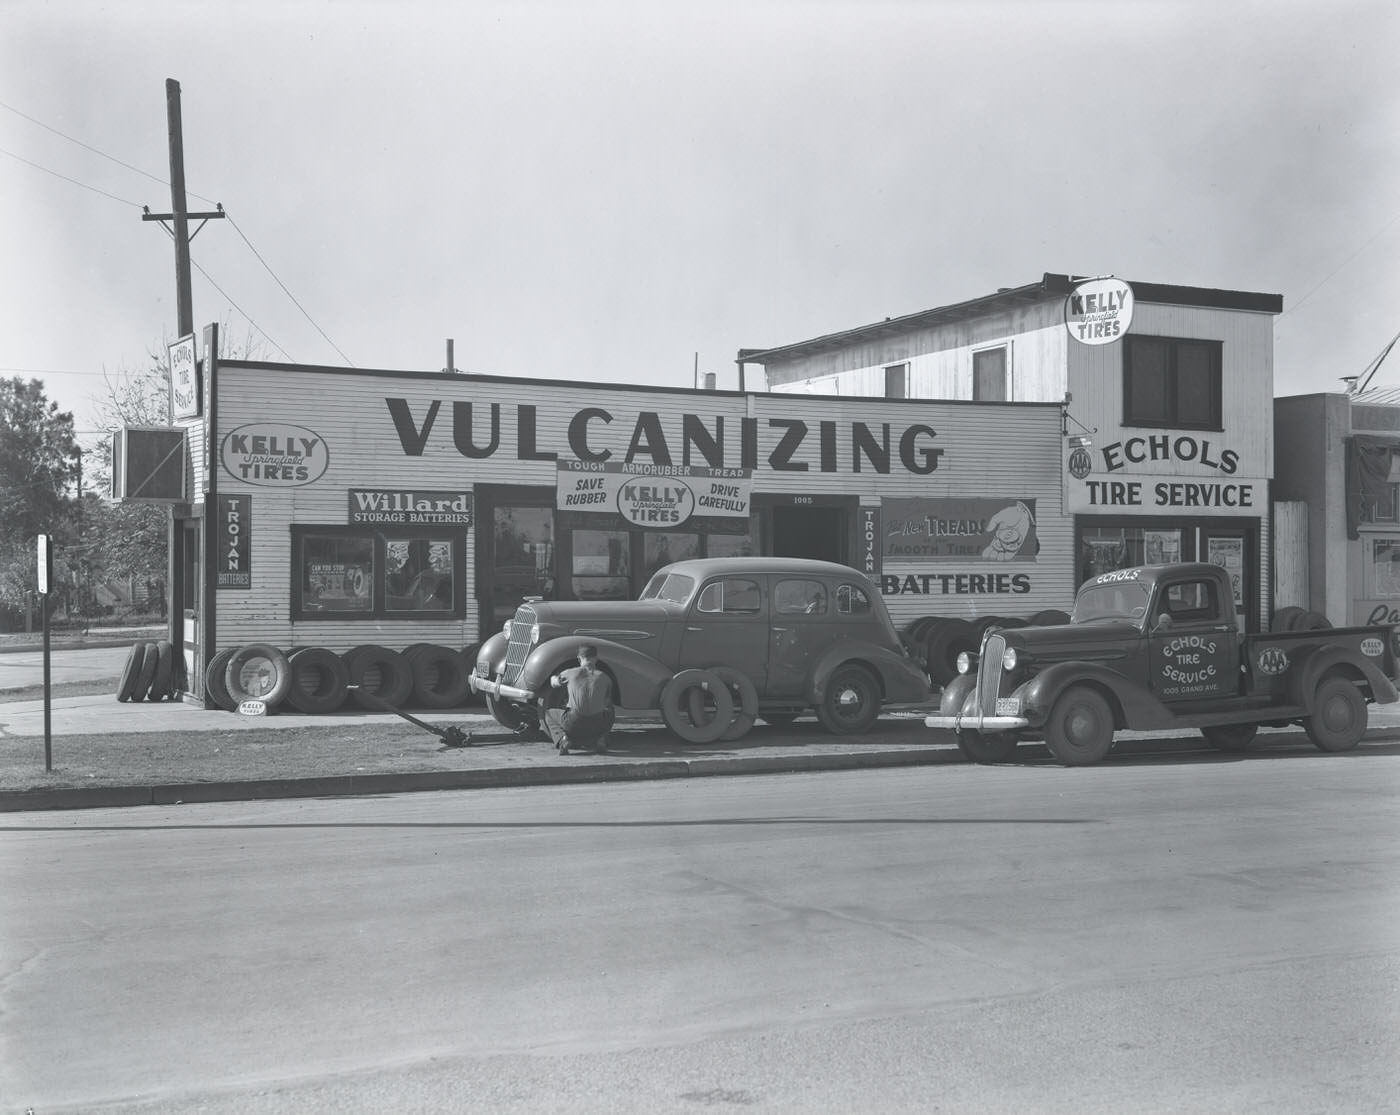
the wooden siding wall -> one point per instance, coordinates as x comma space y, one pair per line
940, 359
989, 451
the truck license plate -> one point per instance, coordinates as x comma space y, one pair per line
1008, 706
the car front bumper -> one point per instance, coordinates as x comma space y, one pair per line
500, 690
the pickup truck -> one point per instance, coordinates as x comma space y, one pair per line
1154, 647
714, 644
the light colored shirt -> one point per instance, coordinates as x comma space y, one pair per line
590, 691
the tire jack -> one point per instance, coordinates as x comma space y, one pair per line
451, 736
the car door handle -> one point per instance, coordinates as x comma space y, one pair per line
779, 629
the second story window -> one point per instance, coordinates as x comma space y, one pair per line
1172, 383
989, 375
897, 381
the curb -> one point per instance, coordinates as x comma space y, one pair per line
553, 774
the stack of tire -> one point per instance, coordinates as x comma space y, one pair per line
317, 681
153, 672
938, 640
709, 706
1298, 619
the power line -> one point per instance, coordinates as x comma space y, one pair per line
94, 150
288, 293
74, 181
1384, 228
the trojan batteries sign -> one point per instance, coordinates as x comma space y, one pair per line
660, 497
1164, 473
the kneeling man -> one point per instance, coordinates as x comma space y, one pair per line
585, 721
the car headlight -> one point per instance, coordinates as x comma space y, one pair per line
534, 634
505, 629
964, 663
1008, 659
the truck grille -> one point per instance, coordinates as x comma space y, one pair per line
520, 644
989, 673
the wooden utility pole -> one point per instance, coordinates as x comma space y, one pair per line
179, 214
181, 591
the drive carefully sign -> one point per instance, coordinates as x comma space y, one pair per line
656, 496
1099, 311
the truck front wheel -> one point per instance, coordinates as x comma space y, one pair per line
1339, 715
986, 747
1080, 728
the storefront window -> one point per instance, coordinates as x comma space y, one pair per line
524, 555
361, 572
729, 545
1104, 549
602, 565
337, 574
1383, 568
418, 576
662, 548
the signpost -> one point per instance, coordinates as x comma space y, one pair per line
45, 577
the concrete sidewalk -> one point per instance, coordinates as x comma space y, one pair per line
641, 748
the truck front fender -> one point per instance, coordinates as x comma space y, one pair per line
1134, 706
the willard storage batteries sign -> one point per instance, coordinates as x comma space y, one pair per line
659, 497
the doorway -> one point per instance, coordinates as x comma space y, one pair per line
810, 532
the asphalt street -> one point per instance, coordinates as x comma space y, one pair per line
1158, 935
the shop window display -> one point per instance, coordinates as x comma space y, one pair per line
663, 547
362, 573
337, 574
1102, 550
1383, 568
602, 565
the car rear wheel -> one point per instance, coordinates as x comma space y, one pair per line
851, 701
1080, 728
986, 747
1339, 715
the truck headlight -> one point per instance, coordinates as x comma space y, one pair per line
1008, 659
964, 663
505, 629
534, 634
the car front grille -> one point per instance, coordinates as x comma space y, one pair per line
520, 643
989, 672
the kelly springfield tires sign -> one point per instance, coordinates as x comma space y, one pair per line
1099, 311
655, 496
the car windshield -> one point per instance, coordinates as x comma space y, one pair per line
1120, 600
675, 587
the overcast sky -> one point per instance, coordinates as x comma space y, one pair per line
602, 190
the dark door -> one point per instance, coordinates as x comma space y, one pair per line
810, 532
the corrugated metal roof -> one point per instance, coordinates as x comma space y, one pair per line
1377, 397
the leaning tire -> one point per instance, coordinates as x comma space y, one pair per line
850, 701
1312, 621
149, 660
381, 672
214, 687
258, 672
675, 706
319, 677
1284, 618
1080, 728
131, 671
1339, 715
986, 747
161, 686
741, 692
1230, 737
440, 677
